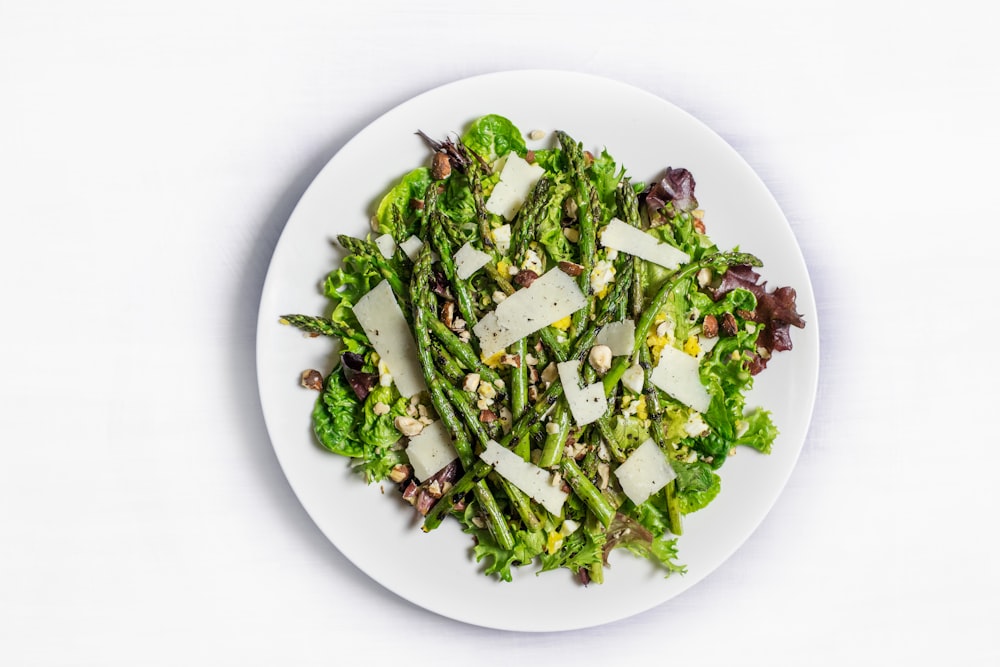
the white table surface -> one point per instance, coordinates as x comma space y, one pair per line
150, 154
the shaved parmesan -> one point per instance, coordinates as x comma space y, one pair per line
644, 472
386, 245
705, 345
383, 322
626, 238
517, 178
411, 247
619, 336
468, 260
430, 450
588, 404
534, 481
550, 298
677, 374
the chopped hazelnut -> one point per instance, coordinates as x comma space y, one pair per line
441, 167
525, 278
312, 379
400, 473
729, 326
710, 326
408, 426
571, 268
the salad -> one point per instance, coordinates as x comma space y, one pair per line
552, 355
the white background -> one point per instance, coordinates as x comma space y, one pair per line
150, 154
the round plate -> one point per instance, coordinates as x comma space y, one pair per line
379, 533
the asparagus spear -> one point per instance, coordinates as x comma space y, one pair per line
587, 243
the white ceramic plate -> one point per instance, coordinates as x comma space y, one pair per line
379, 533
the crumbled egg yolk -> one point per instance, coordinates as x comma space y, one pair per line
563, 324
691, 346
493, 361
640, 408
601, 277
554, 542
503, 267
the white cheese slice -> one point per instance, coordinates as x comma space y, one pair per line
468, 260
625, 238
411, 247
386, 245
383, 322
430, 450
534, 481
705, 345
677, 374
619, 336
587, 404
501, 237
550, 298
517, 178
644, 472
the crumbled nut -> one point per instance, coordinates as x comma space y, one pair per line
312, 379
550, 373
471, 382
408, 426
448, 313
529, 157
535, 135
465, 336
434, 489
746, 314
600, 358
699, 226
572, 234
729, 326
417, 204
531, 359
532, 394
422, 410
663, 328
525, 278
487, 416
506, 419
588, 158
551, 428
458, 324
380, 408
441, 167
484, 403
499, 383
704, 277
513, 360
710, 326
533, 372
374, 224
603, 475
400, 473
570, 208
498, 296
571, 268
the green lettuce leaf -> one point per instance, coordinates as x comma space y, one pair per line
396, 213
494, 136
761, 431
497, 560
697, 485
605, 174
337, 416
344, 287
550, 231
380, 430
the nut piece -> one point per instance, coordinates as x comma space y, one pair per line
710, 326
704, 277
550, 374
487, 416
600, 358
380, 408
312, 379
729, 326
441, 167
571, 268
535, 135
572, 235
408, 426
400, 473
525, 278
471, 382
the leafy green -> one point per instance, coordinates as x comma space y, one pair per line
345, 287
528, 545
580, 550
397, 212
761, 431
697, 485
494, 136
550, 231
629, 432
336, 417
380, 430
605, 174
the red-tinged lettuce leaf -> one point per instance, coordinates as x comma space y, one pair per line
676, 186
776, 310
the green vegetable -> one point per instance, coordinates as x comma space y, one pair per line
508, 398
